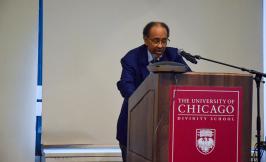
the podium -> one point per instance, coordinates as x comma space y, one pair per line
220, 132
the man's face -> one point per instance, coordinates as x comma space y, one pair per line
157, 40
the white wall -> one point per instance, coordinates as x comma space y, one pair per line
18, 74
85, 39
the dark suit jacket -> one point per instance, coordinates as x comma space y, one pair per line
134, 71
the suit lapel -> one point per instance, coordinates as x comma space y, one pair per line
143, 62
165, 56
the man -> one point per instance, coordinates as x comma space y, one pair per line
134, 70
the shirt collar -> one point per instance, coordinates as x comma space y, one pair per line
152, 57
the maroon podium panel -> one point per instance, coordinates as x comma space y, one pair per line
205, 124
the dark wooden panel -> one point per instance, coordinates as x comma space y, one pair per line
132, 157
141, 126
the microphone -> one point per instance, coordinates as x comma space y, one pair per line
187, 56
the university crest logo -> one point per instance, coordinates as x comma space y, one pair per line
205, 140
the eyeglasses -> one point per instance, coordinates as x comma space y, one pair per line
157, 41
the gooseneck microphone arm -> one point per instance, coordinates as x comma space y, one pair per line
236, 67
258, 80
